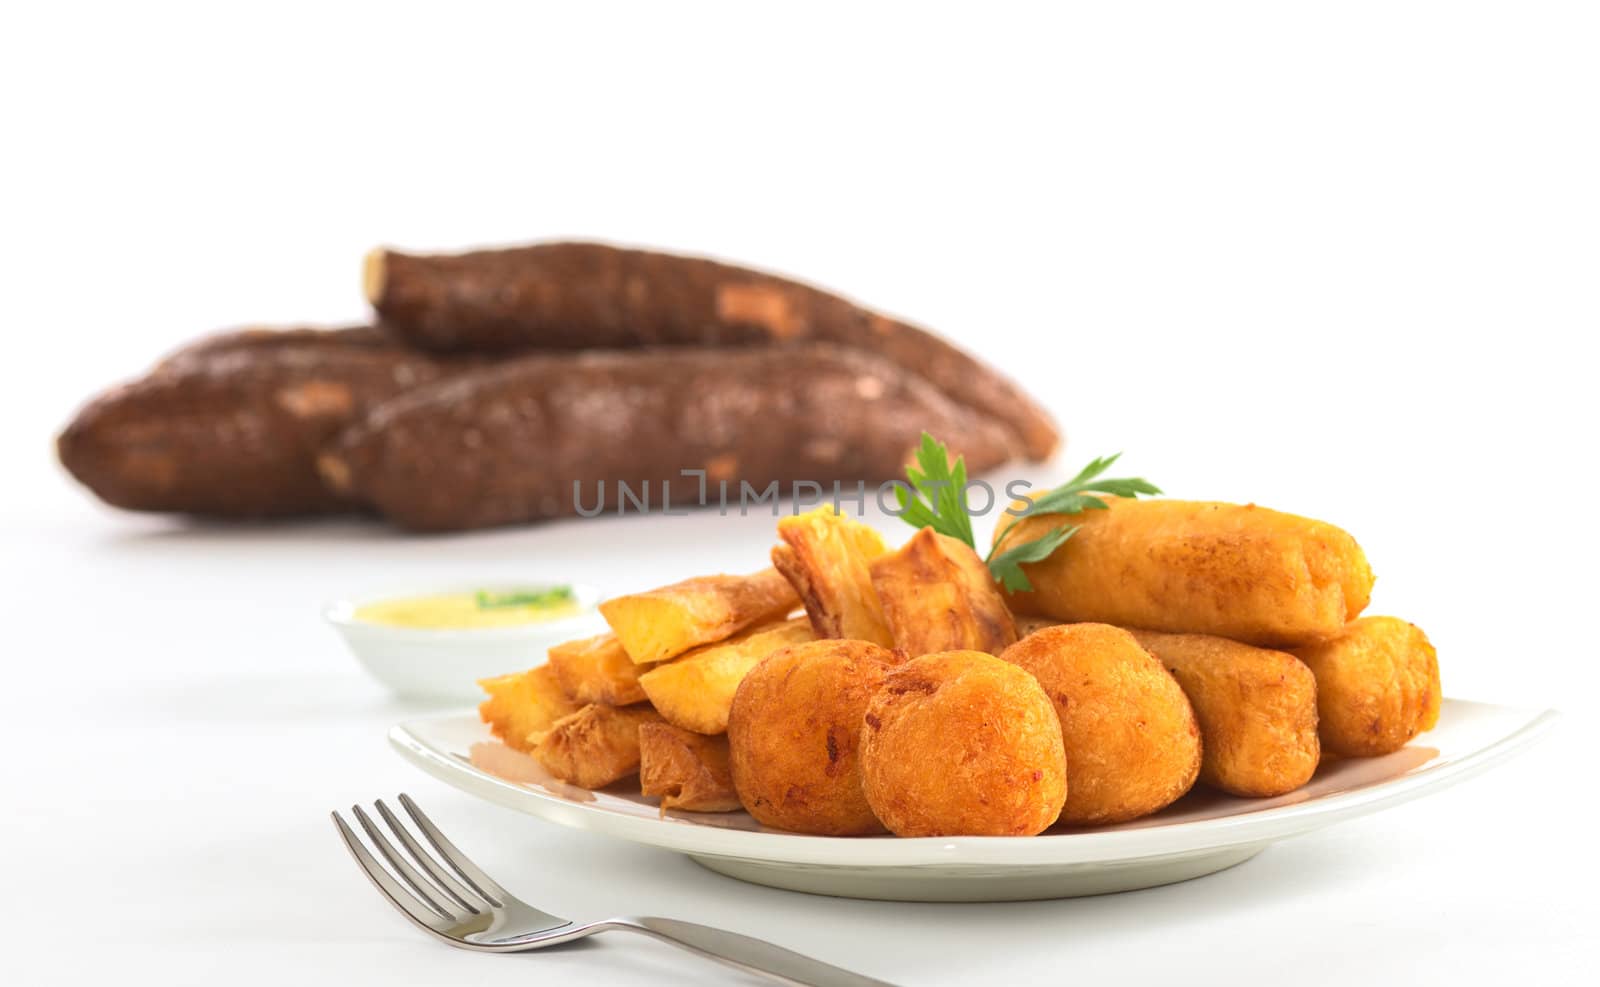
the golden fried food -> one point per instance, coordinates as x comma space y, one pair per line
687, 771
1240, 572
793, 736
939, 596
824, 556
596, 670
960, 743
1132, 742
695, 691
663, 623
1257, 711
523, 705
595, 746
1027, 624
1377, 686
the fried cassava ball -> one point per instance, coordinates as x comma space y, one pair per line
793, 734
1131, 739
960, 743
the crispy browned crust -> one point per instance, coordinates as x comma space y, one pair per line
1237, 571
595, 746
667, 621
937, 595
794, 734
960, 743
522, 706
234, 433
1027, 624
591, 295
1377, 686
1257, 711
596, 670
688, 771
824, 556
695, 690
508, 444
787, 561
1132, 742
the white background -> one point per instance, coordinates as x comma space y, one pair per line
1337, 259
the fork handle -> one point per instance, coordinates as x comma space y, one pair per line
752, 955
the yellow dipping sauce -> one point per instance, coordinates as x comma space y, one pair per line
468, 611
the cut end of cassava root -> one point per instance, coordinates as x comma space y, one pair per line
335, 473
374, 272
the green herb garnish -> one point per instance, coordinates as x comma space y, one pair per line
1007, 565
1072, 497
524, 598
937, 501
938, 490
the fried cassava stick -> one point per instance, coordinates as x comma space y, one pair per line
1377, 686
937, 595
596, 670
523, 706
590, 295
595, 746
696, 691
1237, 571
235, 432
667, 621
542, 436
825, 556
1257, 711
688, 771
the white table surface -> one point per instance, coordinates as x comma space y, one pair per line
1339, 262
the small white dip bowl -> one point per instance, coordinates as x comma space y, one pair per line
446, 663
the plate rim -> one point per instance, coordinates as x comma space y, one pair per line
1203, 835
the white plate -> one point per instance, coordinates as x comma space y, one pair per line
1202, 833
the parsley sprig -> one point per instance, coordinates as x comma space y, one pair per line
937, 500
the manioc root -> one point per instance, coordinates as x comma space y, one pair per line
234, 432
589, 295
257, 339
557, 434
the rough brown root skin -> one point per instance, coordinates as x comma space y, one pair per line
589, 295
307, 340
529, 438
233, 426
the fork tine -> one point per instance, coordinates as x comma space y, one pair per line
425, 860
465, 869
419, 912
404, 871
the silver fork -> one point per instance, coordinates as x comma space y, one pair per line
462, 905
